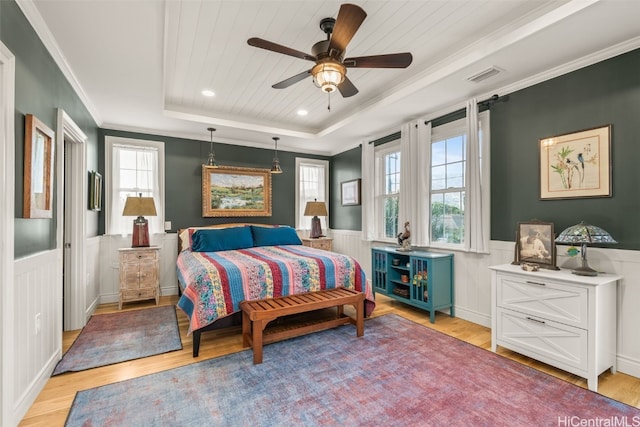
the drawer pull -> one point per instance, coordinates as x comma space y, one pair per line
536, 320
536, 283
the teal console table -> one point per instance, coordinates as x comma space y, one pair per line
418, 278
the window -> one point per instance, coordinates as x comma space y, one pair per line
133, 167
448, 189
449, 186
387, 172
311, 184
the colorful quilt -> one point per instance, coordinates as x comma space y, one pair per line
214, 283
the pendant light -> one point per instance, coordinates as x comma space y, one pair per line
275, 168
211, 160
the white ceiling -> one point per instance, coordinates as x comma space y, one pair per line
140, 65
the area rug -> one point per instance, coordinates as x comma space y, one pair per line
399, 374
118, 337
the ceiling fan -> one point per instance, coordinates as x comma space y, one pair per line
329, 73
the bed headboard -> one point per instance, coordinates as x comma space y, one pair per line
183, 241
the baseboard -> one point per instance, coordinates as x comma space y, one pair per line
628, 366
37, 385
473, 316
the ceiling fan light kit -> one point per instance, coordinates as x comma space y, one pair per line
330, 71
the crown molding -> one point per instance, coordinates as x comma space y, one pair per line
32, 14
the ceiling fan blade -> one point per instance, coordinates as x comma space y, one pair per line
347, 88
350, 17
392, 60
291, 80
274, 47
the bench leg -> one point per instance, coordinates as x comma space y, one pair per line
246, 330
256, 340
359, 318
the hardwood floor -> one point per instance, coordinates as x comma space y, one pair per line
53, 404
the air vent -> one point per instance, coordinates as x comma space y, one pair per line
484, 74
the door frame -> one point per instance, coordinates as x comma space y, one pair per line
71, 144
7, 220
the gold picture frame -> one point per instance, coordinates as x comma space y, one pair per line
38, 169
235, 191
576, 165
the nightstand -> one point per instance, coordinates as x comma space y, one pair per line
319, 243
139, 274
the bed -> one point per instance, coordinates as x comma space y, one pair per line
222, 265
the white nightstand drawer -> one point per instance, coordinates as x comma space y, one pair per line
568, 304
550, 342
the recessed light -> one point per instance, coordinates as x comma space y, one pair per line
208, 92
302, 112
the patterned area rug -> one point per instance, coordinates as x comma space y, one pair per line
399, 374
118, 337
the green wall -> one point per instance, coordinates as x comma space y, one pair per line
344, 167
183, 179
604, 93
41, 89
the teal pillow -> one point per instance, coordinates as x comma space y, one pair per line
268, 236
222, 239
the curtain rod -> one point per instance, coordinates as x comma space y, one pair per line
487, 103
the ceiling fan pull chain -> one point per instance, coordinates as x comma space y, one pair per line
329, 102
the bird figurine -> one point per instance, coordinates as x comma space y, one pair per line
404, 236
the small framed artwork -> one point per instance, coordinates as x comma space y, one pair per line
38, 169
576, 165
535, 244
350, 192
95, 191
234, 191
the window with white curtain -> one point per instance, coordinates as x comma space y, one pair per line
312, 183
449, 185
387, 191
133, 167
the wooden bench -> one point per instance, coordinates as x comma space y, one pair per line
256, 314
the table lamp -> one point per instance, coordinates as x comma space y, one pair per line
139, 206
584, 234
315, 209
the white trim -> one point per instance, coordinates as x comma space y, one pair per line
32, 14
74, 290
7, 204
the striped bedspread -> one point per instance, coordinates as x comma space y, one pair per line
214, 283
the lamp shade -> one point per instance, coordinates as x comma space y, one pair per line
315, 209
584, 234
139, 206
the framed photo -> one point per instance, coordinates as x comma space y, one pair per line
38, 169
535, 244
576, 164
95, 191
233, 191
350, 192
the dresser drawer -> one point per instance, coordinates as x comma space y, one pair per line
143, 293
138, 256
550, 342
559, 302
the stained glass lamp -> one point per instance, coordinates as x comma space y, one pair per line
584, 234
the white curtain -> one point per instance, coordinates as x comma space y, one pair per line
367, 190
415, 170
476, 222
134, 171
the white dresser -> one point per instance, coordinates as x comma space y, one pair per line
556, 317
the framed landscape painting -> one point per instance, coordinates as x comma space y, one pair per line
234, 191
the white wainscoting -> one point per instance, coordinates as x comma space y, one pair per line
110, 264
92, 281
38, 294
472, 283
